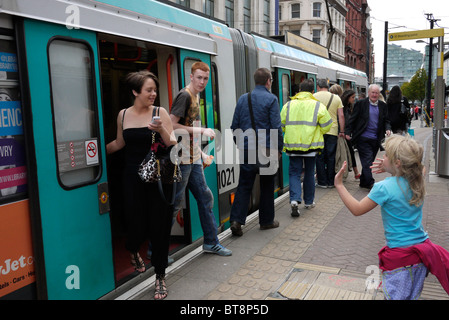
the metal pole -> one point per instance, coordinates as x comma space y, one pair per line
438, 112
384, 84
441, 157
429, 79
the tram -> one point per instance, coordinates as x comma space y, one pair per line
62, 69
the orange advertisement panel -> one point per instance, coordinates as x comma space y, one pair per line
16, 251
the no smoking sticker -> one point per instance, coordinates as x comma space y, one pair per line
91, 148
78, 154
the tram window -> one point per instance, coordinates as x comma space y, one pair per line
285, 88
74, 112
216, 103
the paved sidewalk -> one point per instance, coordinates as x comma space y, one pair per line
326, 253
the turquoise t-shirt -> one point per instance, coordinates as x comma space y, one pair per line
402, 221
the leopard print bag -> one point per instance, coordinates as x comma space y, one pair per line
159, 168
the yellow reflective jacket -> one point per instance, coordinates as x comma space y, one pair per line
304, 121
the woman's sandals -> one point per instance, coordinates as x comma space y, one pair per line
137, 262
160, 288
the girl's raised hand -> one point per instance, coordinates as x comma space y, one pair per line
339, 176
378, 166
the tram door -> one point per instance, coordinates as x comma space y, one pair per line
284, 84
68, 191
187, 59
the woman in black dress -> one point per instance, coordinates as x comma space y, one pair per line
147, 215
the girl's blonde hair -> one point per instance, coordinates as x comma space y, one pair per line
410, 156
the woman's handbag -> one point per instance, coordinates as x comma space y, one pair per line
158, 167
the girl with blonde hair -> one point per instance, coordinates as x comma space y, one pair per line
409, 254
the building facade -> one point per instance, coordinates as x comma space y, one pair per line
248, 15
402, 64
309, 19
358, 44
341, 28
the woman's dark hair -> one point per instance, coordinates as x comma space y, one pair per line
135, 80
395, 95
345, 99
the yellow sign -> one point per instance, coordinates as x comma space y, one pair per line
419, 34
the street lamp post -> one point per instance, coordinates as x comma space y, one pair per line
429, 45
429, 76
384, 80
429, 79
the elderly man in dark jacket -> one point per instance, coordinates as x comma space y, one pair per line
367, 127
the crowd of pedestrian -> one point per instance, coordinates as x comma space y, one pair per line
318, 131
321, 132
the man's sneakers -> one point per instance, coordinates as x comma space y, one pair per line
217, 249
310, 206
295, 209
324, 186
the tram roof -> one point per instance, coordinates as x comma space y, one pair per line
146, 20
285, 50
168, 13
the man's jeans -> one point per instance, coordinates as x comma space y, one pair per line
239, 210
193, 178
325, 162
294, 171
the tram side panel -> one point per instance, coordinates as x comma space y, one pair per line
242, 55
281, 89
226, 152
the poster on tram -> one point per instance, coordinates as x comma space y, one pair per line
16, 252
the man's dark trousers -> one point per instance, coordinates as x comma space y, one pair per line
239, 209
367, 149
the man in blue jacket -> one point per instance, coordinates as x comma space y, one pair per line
267, 123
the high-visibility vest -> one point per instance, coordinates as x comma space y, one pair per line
304, 122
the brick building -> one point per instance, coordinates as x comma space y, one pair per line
358, 44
